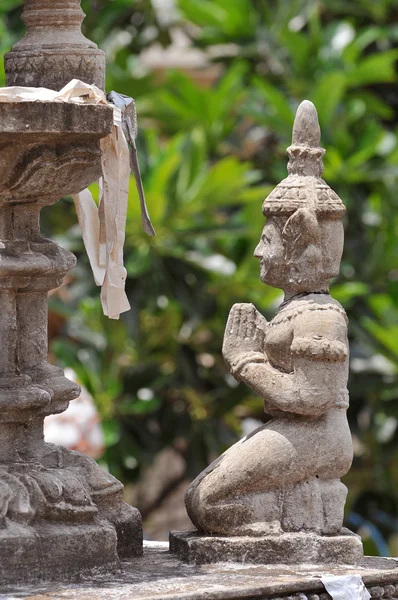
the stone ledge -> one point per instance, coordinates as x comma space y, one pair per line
159, 575
57, 120
288, 548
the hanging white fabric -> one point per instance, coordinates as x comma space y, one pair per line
115, 187
103, 226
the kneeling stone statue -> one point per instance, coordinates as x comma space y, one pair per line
280, 486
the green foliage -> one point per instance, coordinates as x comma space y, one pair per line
209, 155
183, 105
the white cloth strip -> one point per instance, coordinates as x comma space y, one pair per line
103, 228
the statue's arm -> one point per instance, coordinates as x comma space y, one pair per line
319, 354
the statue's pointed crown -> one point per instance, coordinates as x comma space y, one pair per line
304, 186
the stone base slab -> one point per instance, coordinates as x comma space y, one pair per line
159, 575
288, 548
55, 551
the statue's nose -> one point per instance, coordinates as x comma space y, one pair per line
258, 252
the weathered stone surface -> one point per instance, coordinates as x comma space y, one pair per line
54, 50
52, 149
285, 476
57, 558
60, 513
285, 548
159, 575
64, 121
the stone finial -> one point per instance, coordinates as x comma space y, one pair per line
306, 130
54, 50
305, 153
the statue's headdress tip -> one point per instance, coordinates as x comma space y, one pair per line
304, 187
307, 105
306, 130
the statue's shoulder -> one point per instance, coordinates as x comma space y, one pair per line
311, 308
320, 304
320, 329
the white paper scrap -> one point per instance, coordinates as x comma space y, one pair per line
75, 91
115, 161
87, 213
345, 587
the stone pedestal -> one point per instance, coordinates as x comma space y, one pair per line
60, 514
288, 548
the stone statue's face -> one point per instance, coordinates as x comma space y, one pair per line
300, 253
270, 251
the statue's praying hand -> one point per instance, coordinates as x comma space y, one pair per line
244, 333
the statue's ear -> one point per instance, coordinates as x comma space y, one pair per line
301, 229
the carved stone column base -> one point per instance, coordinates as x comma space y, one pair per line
127, 522
287, 548
55, 551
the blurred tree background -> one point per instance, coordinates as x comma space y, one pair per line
217, 83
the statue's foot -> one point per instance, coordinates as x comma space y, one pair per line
313, 505
239, 516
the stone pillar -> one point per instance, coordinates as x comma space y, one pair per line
60, 514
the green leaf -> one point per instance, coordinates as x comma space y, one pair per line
276, 100
327, 95
376, 68
345, 293
298, 46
